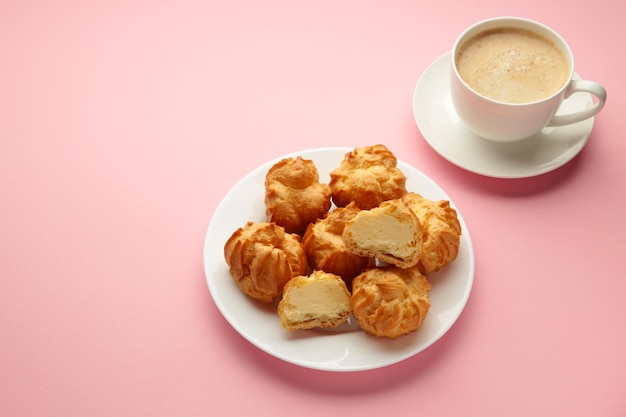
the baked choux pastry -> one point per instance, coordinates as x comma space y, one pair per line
390, 232
368, 176
442, 231
390, 301
294, 196
325, 248
320, 299
262, 258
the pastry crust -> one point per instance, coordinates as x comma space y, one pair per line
390, 301
262, 258
294, 196
390, 232
326, 249
442, 231
318, 300
368, 176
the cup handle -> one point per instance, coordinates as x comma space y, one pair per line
577, 86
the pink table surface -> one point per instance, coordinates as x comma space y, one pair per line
124, 123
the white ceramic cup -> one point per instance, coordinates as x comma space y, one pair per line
506, 122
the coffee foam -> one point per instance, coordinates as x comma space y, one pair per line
512, 65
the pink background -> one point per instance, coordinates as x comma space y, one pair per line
124, 123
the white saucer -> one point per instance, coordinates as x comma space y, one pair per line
446, 134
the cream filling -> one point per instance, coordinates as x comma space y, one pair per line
390, 236
316, 300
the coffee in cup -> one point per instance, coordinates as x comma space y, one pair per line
509, 77
512, 65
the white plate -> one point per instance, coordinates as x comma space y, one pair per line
346, 348
448, 136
